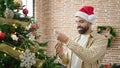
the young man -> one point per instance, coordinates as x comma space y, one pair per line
88, 49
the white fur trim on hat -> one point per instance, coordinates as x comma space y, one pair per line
89, 18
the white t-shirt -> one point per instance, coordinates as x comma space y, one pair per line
76, 62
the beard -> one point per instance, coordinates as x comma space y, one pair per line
82, 30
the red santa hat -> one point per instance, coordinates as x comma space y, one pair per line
87, 13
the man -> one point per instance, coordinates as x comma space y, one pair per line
88, 49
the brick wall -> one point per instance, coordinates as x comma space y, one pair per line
59, 15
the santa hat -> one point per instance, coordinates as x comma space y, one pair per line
87, 13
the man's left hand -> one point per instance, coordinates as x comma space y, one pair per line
61, 37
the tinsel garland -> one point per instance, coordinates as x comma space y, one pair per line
11, 21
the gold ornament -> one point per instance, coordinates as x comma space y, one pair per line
18, 3
8, 13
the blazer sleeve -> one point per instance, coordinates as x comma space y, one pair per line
91, 54
65, 57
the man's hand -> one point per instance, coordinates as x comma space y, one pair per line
59, 49
61, 37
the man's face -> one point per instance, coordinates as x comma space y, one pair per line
82, 25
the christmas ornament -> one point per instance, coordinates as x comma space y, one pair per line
8, 13
14, 37
107, 66
27, 59
25, 11
28, 27
18, 3
33, 26
2, 35
31, 36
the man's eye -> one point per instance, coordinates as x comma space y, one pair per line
81, 21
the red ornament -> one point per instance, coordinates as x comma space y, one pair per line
33, 26
2, 35
107, 66
25, 11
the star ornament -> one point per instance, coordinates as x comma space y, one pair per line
27, 59
14, 37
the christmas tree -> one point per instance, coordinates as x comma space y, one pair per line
18, 45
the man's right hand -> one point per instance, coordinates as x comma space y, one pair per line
59, 49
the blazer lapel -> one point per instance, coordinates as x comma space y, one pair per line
90, 41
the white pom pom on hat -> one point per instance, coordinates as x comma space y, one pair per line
87, 13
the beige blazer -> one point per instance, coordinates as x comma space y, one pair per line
91, 55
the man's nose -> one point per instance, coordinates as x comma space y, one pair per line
78, 24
